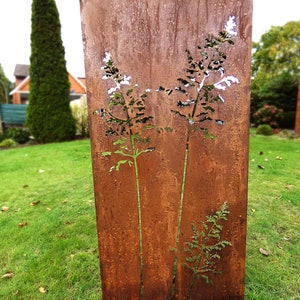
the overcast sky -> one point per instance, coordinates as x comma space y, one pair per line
15, 27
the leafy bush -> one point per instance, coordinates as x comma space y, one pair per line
268, 114
19, 135
8, 143
80, 113
288, 120
264, 129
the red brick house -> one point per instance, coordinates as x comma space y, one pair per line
20, 93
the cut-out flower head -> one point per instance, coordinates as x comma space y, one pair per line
126, 108
204, 75
230, 26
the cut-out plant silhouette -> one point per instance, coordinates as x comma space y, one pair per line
196, 96
126, 118
205, 246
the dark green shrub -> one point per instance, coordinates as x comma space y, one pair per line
288, 120
19, 135
49, 117
264, 129
268, 114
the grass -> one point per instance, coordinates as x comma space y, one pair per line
56, 249
273, 219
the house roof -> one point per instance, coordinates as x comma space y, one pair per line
22, 87
21, 70
77, 87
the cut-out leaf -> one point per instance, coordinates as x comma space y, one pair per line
119, 142
4, 208
120, 162
108, 153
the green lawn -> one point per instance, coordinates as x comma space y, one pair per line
273, 219
48, 231
56, 249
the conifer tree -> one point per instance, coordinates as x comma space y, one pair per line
5, 86
49, 115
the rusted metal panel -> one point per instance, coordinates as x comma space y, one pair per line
147, 40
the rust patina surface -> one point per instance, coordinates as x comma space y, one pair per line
147, 40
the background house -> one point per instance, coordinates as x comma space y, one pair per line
20, 94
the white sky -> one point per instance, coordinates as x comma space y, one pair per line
15, 24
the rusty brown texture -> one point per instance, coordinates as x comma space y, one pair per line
297, 120
147, 40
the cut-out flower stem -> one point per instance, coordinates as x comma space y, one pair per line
138, 196
182, 192
125, 115
195, 104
